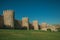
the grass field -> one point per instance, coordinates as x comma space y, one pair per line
6, 34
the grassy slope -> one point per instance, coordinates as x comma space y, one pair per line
28, 35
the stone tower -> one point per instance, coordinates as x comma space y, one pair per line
52, 28
8, 18
25, 22
35, 25
44, 26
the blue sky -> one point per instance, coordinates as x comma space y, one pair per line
42, 10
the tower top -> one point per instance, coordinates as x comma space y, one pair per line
24, 17
35, 21
8, 10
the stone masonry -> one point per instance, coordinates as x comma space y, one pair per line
25, 22
35, 25
44, 26
8, 18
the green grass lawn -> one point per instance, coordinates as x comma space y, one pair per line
6, 34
